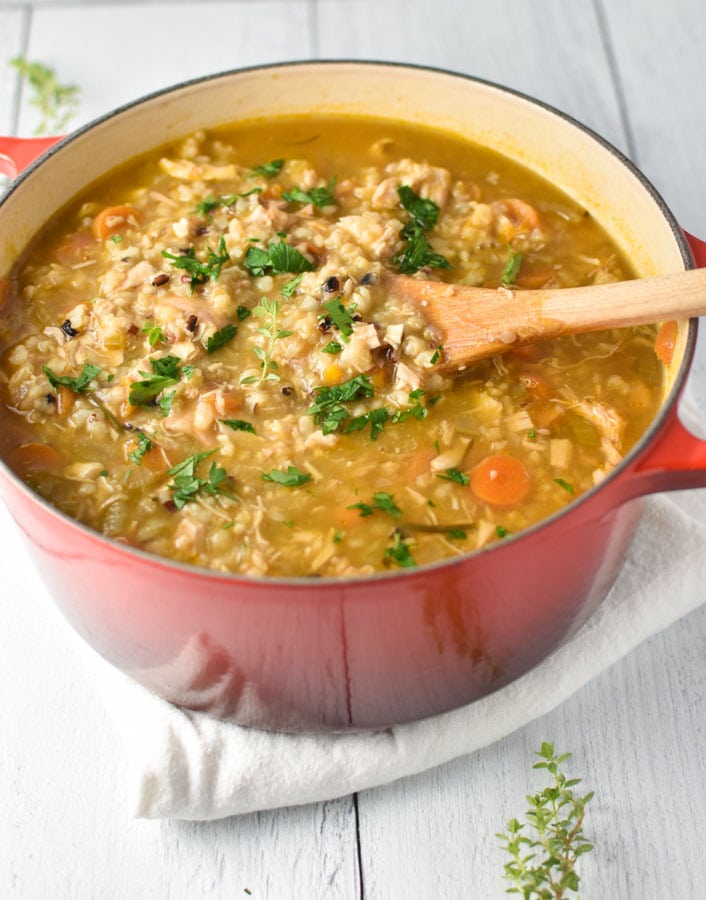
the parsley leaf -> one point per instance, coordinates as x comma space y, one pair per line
564, 484
154, 333
317, 196
292, 477
512, 267
340, 316
328, 410
144, 444
418, 253
268, 169
399, 552
238, 425
200, 272
455, 475
220, 338
166, 372
278, 259
332, 347
187, 485
290, 287
425, 213
77, 385
381, 501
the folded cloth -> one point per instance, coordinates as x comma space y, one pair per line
188, 765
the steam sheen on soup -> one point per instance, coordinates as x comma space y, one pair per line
199, 358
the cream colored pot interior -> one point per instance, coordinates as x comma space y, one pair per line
539, 138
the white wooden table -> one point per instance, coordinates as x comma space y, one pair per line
631, 69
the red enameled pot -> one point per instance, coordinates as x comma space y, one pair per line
299, 654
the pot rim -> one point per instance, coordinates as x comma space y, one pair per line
298, 582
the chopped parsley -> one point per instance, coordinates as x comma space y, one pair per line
187, 485
154, 333
399, 552
512, 267
208, 204
501, 531
238, 425
332, 347
166, 371
425, 213
564, 484
291, 477
290, 287
317, 196
436, 355
242, 313
328, 409
418, 252
78, 385
455, 475
200, 272
269, 169
376, 418
381, 501
278, 259
456, 534
221, 337
340, 316
144, 444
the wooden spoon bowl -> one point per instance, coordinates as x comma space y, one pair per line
473, 323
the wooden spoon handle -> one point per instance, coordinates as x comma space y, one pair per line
474, 323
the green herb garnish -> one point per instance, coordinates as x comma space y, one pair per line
154, 333
455, 475
565, 484
543, 865
269, 169
400, 552
501, 531
418, 253
238, 425
78, 385
382, 501
317, 196
220, 338
278, 259
512, 267
332, 347
290, 287
199, 271
456, 534
436, 355
144, 444
328, 409
187, 485
291, 477
208, 204
166, 371
267, 310
340, 316
57, 103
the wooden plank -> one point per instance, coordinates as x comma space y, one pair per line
550, 50
117, 53
11, 33
64, 832
659, 59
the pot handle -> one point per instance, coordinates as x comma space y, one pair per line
17, 153
698, 249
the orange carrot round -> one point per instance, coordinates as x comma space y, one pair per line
112, 219
34, 457
500, 481
535, 385
665, 342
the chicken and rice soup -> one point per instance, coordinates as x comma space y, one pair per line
199, 359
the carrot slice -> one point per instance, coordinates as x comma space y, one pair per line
64, 401
665, 342
536, 385
500, 481
34, 457
534, 279
521, 218
112, 219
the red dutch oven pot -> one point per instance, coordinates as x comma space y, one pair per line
299, 654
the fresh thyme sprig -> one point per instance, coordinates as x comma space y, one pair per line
543, 865
56, 102
267, 310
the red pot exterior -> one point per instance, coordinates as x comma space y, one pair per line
370, 652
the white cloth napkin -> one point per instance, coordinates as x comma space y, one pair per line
188, 765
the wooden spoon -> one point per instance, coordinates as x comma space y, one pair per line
473, 323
